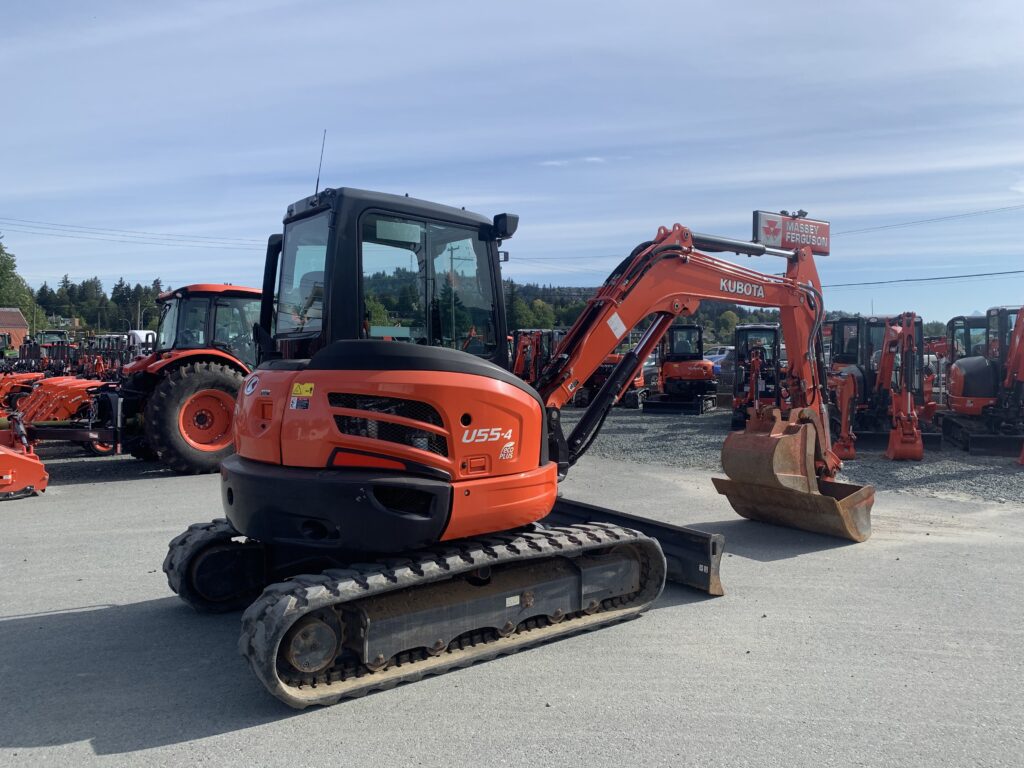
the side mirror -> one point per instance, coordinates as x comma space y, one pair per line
505, 225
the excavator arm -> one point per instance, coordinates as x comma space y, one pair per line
668, 277
896, 373
780, 471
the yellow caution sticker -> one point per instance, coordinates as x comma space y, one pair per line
302, 390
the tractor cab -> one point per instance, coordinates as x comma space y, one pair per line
209, 316
354, 264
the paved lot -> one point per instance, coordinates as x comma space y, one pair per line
905, 650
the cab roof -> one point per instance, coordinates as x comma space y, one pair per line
211, 289
401, 204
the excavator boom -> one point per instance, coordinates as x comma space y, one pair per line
774, 465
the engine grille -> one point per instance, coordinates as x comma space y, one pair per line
376, 429
409, 409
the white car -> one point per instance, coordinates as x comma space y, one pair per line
716, 351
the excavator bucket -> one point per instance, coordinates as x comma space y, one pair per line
21, 471
772, 479
905, 443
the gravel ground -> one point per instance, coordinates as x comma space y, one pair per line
695, 442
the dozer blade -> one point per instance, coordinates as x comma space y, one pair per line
771, 474
693, 557
21, 472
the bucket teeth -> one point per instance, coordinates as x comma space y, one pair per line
772, 479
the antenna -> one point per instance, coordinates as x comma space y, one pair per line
321, 165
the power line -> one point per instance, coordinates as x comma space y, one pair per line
130, 232
925, 279
165, 243
929, 221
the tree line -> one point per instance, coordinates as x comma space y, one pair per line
127, 306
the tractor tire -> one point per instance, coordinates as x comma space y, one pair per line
143, 452
188, 417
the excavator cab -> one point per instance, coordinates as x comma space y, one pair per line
354, 264
965, 337
686, 381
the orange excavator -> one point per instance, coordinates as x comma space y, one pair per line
392, 510
686, 381
758, 379
888, 393
876, 361
985, 401
532, 348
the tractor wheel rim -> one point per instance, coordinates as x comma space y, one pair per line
205, 420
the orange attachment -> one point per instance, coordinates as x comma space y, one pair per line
12, 382
21, 471
58, 398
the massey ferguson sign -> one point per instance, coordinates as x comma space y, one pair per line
787, 232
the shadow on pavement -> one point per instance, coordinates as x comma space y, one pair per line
126, 678
763, 542
677, 594
71, 465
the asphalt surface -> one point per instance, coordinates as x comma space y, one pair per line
905, 650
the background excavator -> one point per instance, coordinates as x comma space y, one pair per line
531, 351
758, 378
392, 508
985, 393
883, 393
965, 337
686, 381
875, 361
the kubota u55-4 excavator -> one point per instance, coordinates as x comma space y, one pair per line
385, 496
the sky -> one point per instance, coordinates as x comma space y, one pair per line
198, 123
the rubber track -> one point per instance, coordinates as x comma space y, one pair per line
268, 619
185, 546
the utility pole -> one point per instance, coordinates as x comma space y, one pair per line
451, 284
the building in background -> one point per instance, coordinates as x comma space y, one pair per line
13, 322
